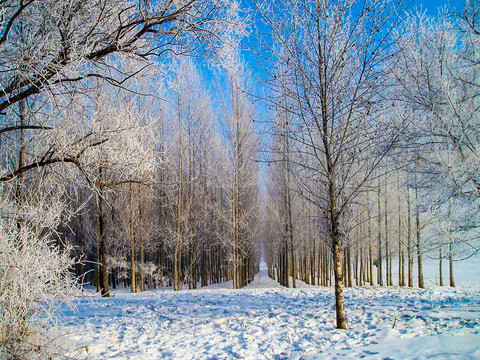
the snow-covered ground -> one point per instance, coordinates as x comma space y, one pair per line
266, 321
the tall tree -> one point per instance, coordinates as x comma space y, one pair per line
334, 52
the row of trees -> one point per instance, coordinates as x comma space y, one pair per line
374, 141
387, 224
118, 165
193, 215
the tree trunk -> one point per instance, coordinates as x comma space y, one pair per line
133, 279
349, 267
177, 254
294, 266
286, 267
379, 261
312, 261
387, 255
96, 275
289, 225
337, 255
142, 261
103, 274
409, 241
402, 269
361, 275
103, 269
401, 262
440, 270
370, 250
21, 164
339, 302
421, 285
278, 269
142, 252
450, 266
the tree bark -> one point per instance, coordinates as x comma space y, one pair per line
370, 250
339, 302
133, 279
409, 241
21, 164
421, 284
387, 255
177, 254
379, 261
349, 267
103, 274
337, 253
401, 260
450, 265
440, 269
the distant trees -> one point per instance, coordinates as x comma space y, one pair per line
437, 79
169, 222
281, 208
196, 198
240, 185
192, 116
179, 218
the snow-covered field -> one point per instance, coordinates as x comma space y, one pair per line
266, 321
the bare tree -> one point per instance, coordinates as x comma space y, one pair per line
335, 54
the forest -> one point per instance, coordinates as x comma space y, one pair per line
179, 144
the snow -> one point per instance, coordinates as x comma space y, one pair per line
267, 321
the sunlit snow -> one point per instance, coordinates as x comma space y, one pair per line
266, 321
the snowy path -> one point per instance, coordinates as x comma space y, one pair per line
266, 321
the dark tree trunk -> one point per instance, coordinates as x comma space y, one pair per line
103, 274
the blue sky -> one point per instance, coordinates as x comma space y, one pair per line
432, 5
